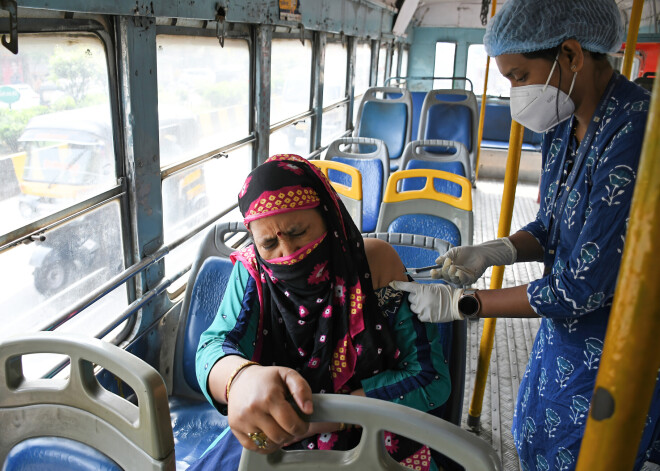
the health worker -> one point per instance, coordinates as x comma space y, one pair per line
554, 55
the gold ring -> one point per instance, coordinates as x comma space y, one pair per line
260, 439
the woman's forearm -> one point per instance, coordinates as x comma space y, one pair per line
528, 248
506, 302
219, 375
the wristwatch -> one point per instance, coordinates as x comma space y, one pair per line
468, 304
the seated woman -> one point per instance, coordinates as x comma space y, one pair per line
308, 310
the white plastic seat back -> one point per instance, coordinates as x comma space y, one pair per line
376, 416
79, 408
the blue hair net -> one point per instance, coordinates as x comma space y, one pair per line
533, 25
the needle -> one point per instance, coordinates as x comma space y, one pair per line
414, 271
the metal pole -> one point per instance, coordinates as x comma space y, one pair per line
503, 229
631, 40
631, 353
482, 113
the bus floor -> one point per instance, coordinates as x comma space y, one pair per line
513, 337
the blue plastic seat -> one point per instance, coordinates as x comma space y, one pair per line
427, 211
195, 422
370, 157
347, 182
385, 113
497, 128
451, 115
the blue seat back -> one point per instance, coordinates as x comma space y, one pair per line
449, 122
372, 194
385, 113
387, 122
371, 158
417, 102
208, 290
427, 225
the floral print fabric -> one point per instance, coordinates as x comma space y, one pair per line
575, 296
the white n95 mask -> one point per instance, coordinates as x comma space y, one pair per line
541, 107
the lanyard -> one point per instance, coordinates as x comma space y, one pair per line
553, 239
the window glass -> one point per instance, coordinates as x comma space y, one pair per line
362, 68
476, 72
56, 142
404, 63
395, 61
203, 95
49, 276
382, 54
195, 194
291, 78
334, 76
334, 123
292, 139
444, 64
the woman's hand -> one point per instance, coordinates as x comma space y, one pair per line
465, 265
258, 402
432, 302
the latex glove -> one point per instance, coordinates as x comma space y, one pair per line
466, 264
432, 302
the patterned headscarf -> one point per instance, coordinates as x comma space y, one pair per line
319, 314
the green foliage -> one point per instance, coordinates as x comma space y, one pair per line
12, 124
76, 70
225, 93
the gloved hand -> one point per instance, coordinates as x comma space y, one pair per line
464, 265
433, 302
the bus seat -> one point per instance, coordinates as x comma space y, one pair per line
376, 416
350, 194
451, 114
417, 102
427, 249
385, 113
497, 128
370, 157
195, 422
427, 211
450, 156
76, 423
453, 334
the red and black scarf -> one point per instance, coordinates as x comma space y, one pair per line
319, 314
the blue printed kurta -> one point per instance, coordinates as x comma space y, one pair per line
575, 297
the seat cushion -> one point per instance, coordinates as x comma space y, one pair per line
196, 424
37, 454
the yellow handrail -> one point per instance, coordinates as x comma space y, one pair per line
631, 40
393, 195
482, 113
353, 191
503, 229
631, 353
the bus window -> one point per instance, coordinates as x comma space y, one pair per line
56, 151
445, 54
291, 75
334, 90
203, 95
55, 131
49, 276
362, 72
223, 178
476, 72
200, 110
382, 59
404, 63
